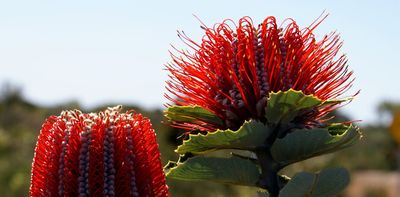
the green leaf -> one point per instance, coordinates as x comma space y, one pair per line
191, 114
306, 143
329, 182
224, 170
337, 101
283, 107
249, 136
262, 194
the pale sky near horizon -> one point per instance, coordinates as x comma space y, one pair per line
97, 52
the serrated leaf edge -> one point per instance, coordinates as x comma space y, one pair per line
335, 138
170, 170
214, 118
191, 136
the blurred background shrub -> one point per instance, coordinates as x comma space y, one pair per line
20, 123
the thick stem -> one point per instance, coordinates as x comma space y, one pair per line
269, 173
269, 167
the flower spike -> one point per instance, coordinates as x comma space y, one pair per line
232, 71
104, 154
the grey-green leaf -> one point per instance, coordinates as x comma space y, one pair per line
249, 136
283, 107
327, 183
223, 170
306, 143
191, 114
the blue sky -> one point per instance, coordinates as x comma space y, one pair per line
114, 51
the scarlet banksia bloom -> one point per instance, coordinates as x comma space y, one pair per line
104, 154
234, 68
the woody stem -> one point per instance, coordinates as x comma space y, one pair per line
269, 167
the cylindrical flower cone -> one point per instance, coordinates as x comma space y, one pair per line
104, 154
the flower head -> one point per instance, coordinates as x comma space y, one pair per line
104, 154
235, 67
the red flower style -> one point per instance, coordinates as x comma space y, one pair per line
235, 67
105, 154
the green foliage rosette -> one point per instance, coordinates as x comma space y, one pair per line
260, 150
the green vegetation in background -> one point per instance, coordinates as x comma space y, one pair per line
20, 123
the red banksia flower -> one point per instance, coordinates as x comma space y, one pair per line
235, 67
104, 154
